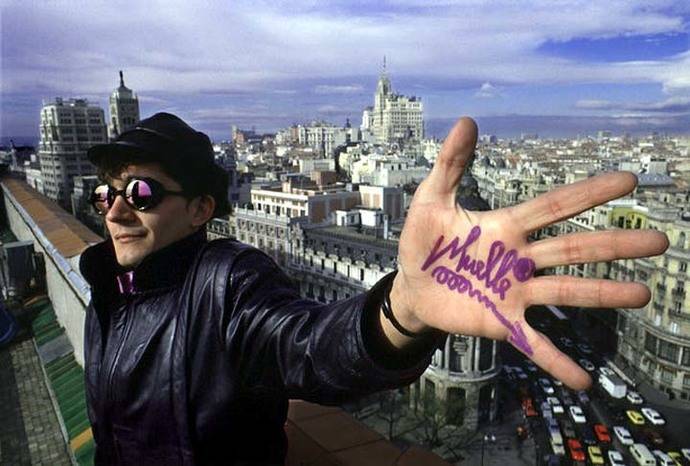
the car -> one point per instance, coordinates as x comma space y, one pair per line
528, 407
663, 459
550, 423
595, 456
531, 367
623, 435
557, 382
545, 409
583, 397
584, 348
653, 416
519, 373
577, 415
634, 397
546, 386
652, 437
576, 451
567, 399
602, 433
556, 405
567, 342
676, 457
603, 370
635, 417
587, 365
686, 453
568, 428
615, 458
587, 436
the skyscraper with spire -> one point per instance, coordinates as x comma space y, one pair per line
124, 109
394, 118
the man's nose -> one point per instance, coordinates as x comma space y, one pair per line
120, 212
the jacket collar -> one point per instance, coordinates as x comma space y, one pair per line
164, 268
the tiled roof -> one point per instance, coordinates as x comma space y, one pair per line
69, 236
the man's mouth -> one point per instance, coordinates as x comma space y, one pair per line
128, 237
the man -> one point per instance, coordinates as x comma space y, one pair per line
193, 348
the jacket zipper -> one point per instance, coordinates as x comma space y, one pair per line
121, 344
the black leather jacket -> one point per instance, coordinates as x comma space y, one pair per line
196, 365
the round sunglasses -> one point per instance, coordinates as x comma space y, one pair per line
139, 193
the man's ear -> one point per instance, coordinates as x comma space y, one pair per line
203, 209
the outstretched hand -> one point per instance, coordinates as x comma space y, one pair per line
472, 273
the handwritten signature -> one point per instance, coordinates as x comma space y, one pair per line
493, 273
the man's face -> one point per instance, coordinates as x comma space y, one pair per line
136, 234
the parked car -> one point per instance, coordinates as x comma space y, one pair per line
546, 386
528, 407
577, 415
663, 459
603, 370
531, 367
635, 417
615, 458
676, 457
623, 435
595, 456
567, 399
567, 342
568, 428
576, 451
545, 410
602, 433
653, 416
584, 348
634, 398
556, 405
583, 397
587, 364
652, 437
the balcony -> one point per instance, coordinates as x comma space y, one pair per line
678, 294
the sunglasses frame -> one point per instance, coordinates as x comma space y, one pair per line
158, 193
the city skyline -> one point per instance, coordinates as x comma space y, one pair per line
554, 70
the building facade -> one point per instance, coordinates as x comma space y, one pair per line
124, 110
394, 118
67, 130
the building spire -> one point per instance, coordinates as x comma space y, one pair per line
122, 79
384, 64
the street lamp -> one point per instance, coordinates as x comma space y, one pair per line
491, 438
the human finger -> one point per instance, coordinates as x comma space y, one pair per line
600, 246
456, 153
572, 199
585, 292
547, 356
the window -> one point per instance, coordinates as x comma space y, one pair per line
650, 343
686, 357
668, 351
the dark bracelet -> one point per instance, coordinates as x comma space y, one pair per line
387, 309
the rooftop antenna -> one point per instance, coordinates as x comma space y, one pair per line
122, 79
384, 64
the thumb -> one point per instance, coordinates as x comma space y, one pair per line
455, 155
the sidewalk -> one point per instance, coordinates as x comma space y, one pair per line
29, 432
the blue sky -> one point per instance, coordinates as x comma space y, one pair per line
623, 64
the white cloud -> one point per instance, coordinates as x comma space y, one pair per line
487, 91
215, 45
330, 89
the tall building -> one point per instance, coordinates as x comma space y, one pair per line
394, 118
68, 129
124, 109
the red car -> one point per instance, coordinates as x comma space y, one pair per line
528, 407
576, 451
602, 433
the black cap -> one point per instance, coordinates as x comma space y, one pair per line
160, 137
166, 139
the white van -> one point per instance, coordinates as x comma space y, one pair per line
642, 455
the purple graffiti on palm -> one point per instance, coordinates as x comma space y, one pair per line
492, 273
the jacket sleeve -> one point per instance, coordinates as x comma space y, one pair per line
326, 353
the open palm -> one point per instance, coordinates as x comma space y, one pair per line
472, 273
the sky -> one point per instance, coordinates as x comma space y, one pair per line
554, 67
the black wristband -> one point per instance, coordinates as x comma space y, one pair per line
387, 284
